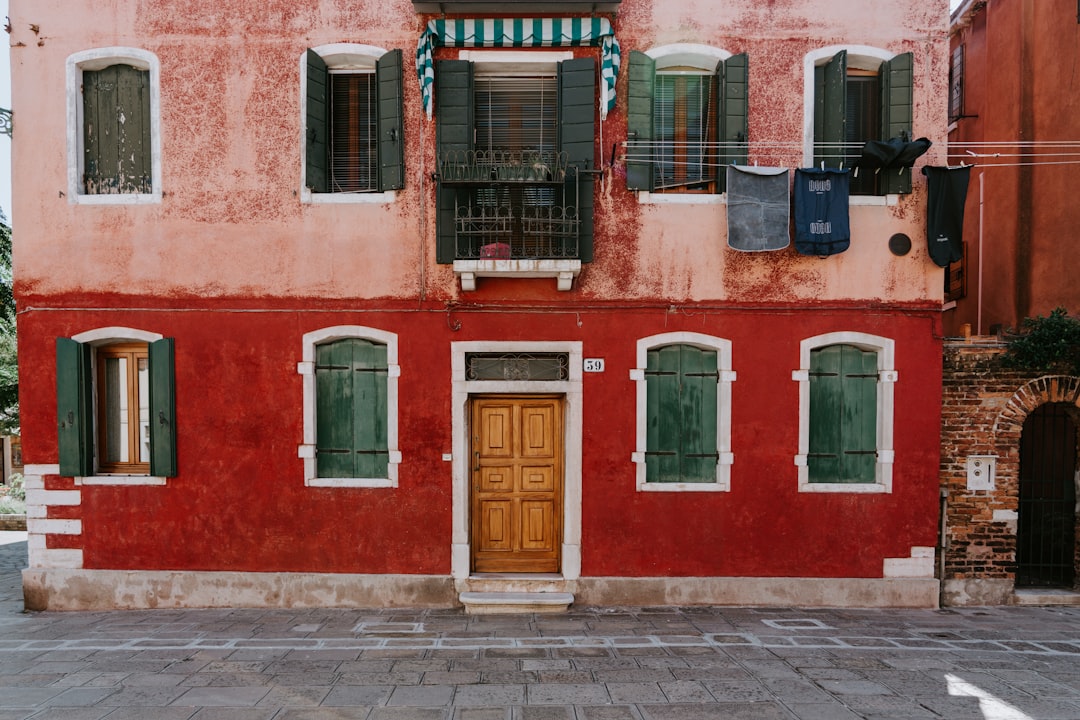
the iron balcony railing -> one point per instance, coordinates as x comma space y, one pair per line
512, 205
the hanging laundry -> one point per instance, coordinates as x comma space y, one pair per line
947, 193
822, 226
758, 208
897, 152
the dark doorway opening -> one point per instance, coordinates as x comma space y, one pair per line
1046, 528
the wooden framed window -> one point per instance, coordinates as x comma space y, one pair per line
353, 121
351, 409
116, 408
858, 98
486, 114
843, 415
354, 154
686, 121
123, 408
956, 84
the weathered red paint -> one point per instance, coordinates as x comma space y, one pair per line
239, 502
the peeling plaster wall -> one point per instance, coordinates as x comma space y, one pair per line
231, 223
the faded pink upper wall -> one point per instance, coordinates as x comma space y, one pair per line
231, 223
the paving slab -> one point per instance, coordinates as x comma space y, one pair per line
692, 663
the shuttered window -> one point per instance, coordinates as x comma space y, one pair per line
523, 113
685, 124
354, 126
351, 409
117, 150
681, 407
132, 430
843, 415
853, 105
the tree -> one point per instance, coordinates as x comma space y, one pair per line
9, 365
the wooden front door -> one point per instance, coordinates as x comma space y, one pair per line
517, 486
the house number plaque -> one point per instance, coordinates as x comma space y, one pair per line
594, 365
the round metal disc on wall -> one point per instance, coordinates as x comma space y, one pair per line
900, 244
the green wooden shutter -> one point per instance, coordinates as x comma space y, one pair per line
698, 376
116, 130
639, 121
830, 111
351, 409
317, 172
391, 125
74, 408
859, 430
843, 415
454, 128
734, 114
577, 132
162, 408
896, 114
663, 408
680, 406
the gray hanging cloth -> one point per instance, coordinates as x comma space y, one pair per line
946, 195
758, 208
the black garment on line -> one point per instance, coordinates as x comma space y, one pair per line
947, 193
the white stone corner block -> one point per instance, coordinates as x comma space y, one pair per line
908, 567
37, 496
64, 559
54, 527
922, 551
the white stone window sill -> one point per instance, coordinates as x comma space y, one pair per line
683, 487
117, 199
858, 488
350, 482
873, 200
121, 480
370, 198
648, 198
564, 271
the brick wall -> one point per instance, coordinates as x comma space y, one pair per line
983, 410
12, 522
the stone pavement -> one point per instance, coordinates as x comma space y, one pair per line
589, 664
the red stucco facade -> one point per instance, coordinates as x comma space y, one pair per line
236, 266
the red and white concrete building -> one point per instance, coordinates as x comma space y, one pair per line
287, 340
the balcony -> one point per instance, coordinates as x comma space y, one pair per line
515, 7
515, 215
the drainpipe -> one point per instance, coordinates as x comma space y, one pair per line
1022, 286
943, 542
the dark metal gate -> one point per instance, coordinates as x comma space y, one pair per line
1046, 529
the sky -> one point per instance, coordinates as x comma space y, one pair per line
5, 102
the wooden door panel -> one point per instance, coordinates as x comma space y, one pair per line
537, 436
496, 522
516, 483
496, 436
536, 525
537, 478
497, 479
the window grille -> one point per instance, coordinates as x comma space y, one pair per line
517, 366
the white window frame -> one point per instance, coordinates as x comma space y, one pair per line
97, 338
702, 57
862, 57
338, 57
98, 59
887, 377
306, 369
726, 376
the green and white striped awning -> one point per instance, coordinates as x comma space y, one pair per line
520, 33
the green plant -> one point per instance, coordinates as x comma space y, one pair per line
1046, 344
13, 497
